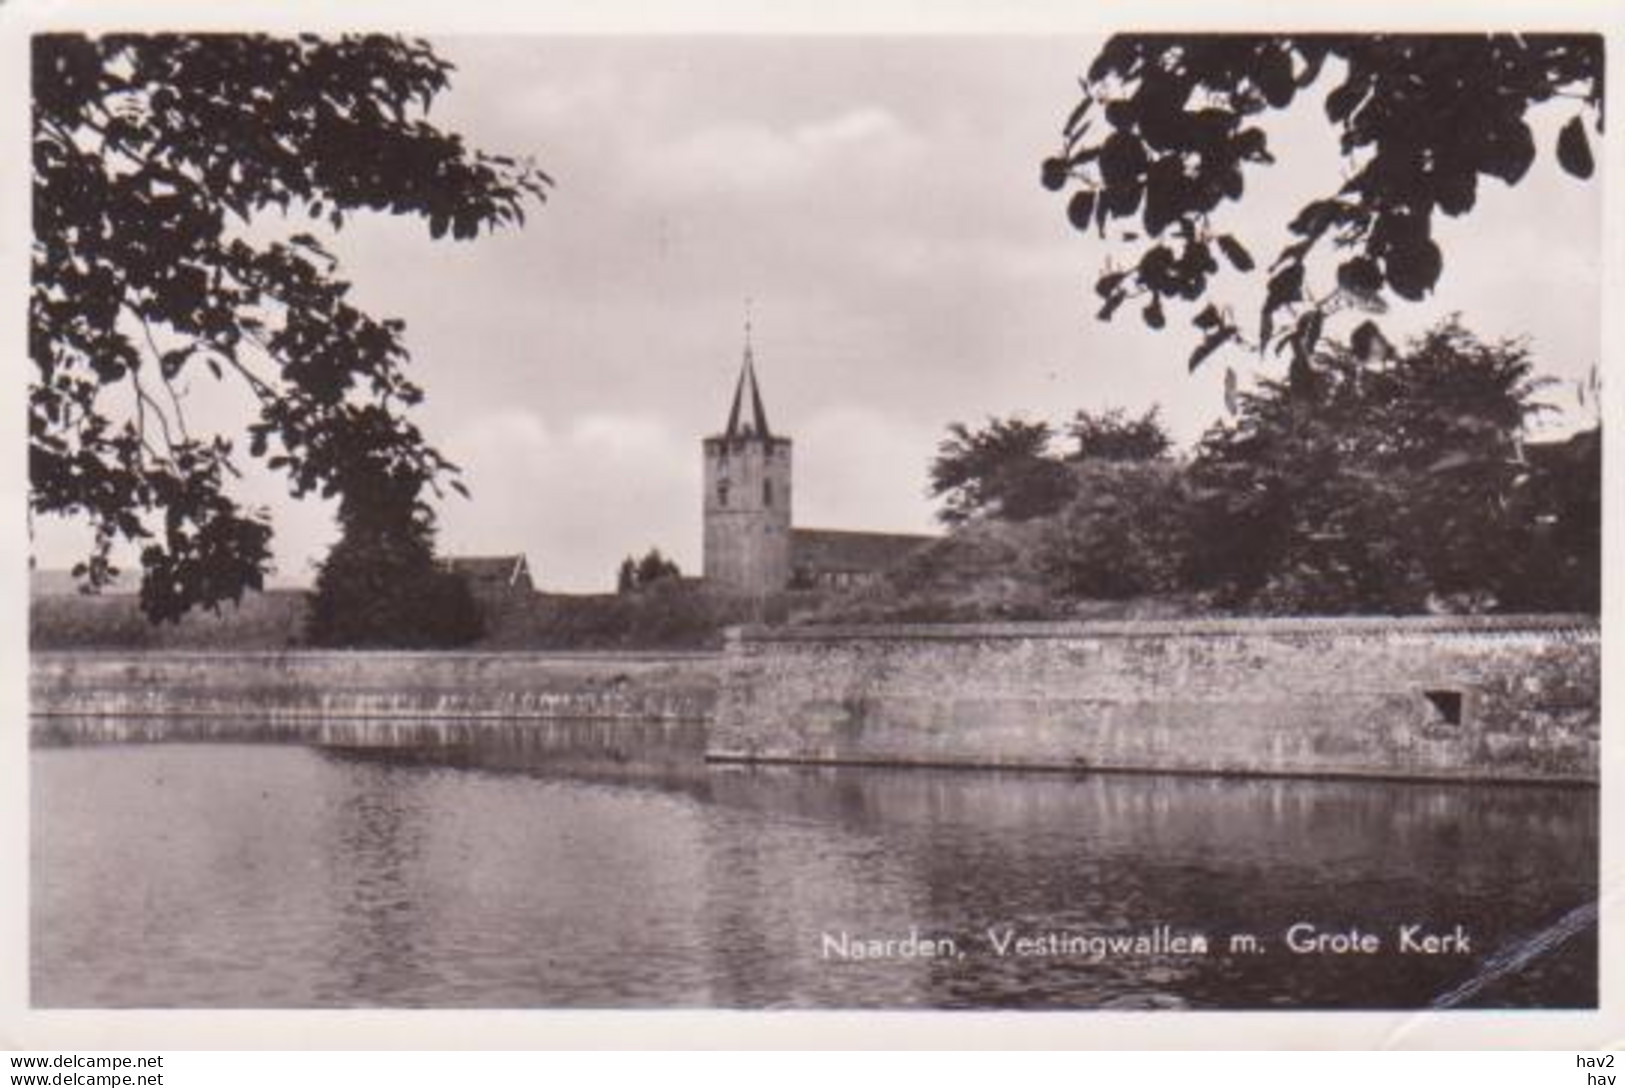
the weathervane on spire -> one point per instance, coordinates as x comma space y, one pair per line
747, 327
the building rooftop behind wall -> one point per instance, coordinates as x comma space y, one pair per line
841, 549
504, 569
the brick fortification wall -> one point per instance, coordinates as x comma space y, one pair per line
1495, 698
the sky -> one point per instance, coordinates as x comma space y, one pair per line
877, 200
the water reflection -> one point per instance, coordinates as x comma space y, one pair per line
370, 869
220, 875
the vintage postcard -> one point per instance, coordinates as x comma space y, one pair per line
1085, 523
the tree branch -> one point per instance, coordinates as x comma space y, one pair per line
169, 386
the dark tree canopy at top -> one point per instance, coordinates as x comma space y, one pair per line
1167, 131
153, 155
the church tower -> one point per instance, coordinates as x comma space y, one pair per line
747, 495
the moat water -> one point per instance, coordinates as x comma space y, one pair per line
225, 875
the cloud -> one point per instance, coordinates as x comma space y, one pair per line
757, 158
858, 468
575, 498
612, 435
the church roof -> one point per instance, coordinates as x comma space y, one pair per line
747, 397
508, 570
847, 550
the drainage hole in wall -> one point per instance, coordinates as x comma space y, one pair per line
1447, 703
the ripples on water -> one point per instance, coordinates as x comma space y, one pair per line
237, 875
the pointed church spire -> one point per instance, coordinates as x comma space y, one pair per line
757, 425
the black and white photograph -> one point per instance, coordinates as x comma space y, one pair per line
1066, 522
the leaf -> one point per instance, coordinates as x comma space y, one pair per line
1507, 153
1124, 200
1342, 101
1080, 209
1122, 114
1286, 286
1164, 186
1359, 275
1075, 119
1122, 159
1107, 285
1413, 268
1273, 75
1211, 343
1314, 217
1156, 269
1455, 188
1053, 174
1153, 313
170, 362
1208, 319
1252, 144
1369, 343
1236, 253
1574, 150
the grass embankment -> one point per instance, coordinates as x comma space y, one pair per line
662, 617
675, 616
113, 621
987, 572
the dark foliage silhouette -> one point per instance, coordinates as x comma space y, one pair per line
156, 159
380, 585
1168, 130
639, 573
1004, 469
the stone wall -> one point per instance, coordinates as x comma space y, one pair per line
617, 715
1495, 698
1501, 698
395, 686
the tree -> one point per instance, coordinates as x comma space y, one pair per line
1168, 128
1126, 533
155, 160
380, 584
1112, 436
1393, 488
1002, 470
1559, 506
638, 573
